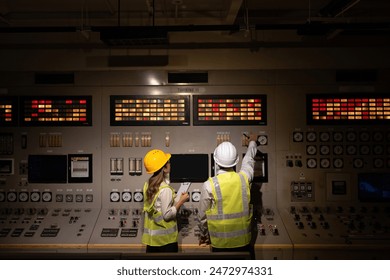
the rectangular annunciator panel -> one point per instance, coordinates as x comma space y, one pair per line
230, 110
330, 109
155, 110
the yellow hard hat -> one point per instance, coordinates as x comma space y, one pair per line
154, 160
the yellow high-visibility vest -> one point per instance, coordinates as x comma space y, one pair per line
157, 232
229, 220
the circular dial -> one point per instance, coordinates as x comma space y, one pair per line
46, 196
338, 163
311, 149
364, 149
311, 163
351, 136
114, 196
11, 196
324, 150
35, 196
298, 136
138, 196
324, 163
358, 163
324, 136
338, 149
378, 149
263, 140
311, 136
2, 196
378, 136
195, 196
338, 136
351, 150
364, 136
126, 196
23, 196
379, 163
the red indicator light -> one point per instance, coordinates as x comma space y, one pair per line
68, 101
83, 101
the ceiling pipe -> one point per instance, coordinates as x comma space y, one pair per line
198, 28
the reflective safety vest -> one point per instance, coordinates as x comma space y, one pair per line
157, 232
229, 220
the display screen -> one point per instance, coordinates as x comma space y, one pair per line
80, 168
56, 111
348, 109
189, 168
8, 111
230, 110
47, 168
149, 110
374, 187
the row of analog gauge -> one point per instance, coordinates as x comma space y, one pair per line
340, 136
138, 196
36, 196
339, 163
377, 149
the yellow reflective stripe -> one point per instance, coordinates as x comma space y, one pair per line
229, 216
217, 189
245, 201
155, 232
230, 234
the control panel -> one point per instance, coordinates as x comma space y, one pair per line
72, 171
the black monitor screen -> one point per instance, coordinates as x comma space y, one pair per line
374, 187
189, 168
47, 168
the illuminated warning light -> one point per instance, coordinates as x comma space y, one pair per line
83, 101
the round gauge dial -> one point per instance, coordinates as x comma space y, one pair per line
378, 136
358, 163
126, 196
23, 196
311, 163
351, 150
46, 196
298, 136
338, 163
324, 150
379, 163
311, 136
364, 149
263, 139
324, 136
379, 149
338, 149
351, 136
11, 196
338, 136
138, 196
2, 196
311, 149
114, 196
364, 136
35, 196
324, 163
195, 196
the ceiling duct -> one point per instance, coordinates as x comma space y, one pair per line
122, 36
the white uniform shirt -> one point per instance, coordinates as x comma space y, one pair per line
206, 199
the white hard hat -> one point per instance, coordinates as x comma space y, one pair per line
225, 155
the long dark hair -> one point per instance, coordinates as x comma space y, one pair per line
154, 184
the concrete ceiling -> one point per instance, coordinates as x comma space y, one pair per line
184, 24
